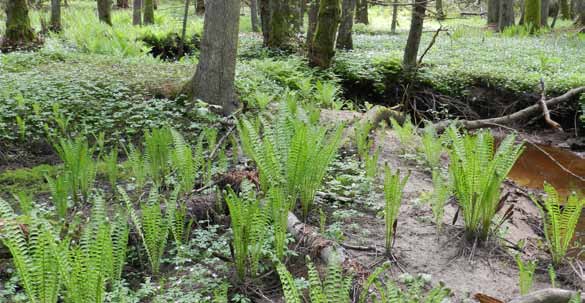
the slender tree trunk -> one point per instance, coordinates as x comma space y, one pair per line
294, 9
254, 15
556, 11
19, 31
105, 11
344, 37
565, 9
323, 46
214, 79
522, 12
506, 14
148, 10
184, 30
55, 16
544, 6
200, 8
493, 13
281, 27
265, 20
532, 14
137, 12
580, 12
414, 35
395, 16
361, 14
303, 11
440, 12
313, 13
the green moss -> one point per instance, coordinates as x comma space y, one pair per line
29, 180
18, 27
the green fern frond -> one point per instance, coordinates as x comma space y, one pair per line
289, 288
393, 189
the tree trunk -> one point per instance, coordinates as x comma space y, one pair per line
181, 51
122, 4
544, 12
265, 19
313, 12
395, 16
493, 13
440, 12
532, 14
200, 8
506, 14
412, 44
303, 10
148, 10
580, 12
55, 16
522, 12
361, 13
565, 10
137, 12
254, 15
19, 32
294, 9
105, 11
344, 37
214, 79
323, 45
281, 25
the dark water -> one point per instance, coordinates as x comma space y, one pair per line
535, 167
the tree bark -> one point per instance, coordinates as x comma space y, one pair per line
281, 24
265, 20
565, 9
493, 13
200, 7
148, 11
213, 81
506, 14
313, 12
532, 11
440, 12
137, 12
544, 12
19, 31
395, 16
122, 4
303, 10
323, 45
414, 35
254, 15
344, 37
361, 14
549, 295
55, 16
580, 12
181, 50
105, 11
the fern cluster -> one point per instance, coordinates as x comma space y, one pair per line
362, 138
477, 174
371, 164
79, 165
525, 274
292, 153
393, 188
406, 132
432, 146
441, 193
560, 221
111, 166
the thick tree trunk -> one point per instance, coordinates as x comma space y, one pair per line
313, 13
506, 14
412, 44
544, 12
580, 12
395, 16
200, 7
137, 12
361, 13
439, 8
565, 10
148, 10
254, 15
344, 37
214, 79
532, 14
55, 16
323, 45
493, 13
281, 24
105, 11
19, 32
122, 4
265, 19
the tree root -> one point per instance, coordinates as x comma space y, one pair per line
549, 295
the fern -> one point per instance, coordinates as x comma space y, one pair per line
477, 173
157, 144
576, 298
25, 202
431, 146
371, 164
137, 165
393, 188
183, 162
362, 138
178, 216
405, 132
111, 163
441, 192
560, 222
289, 288
220, 294
279, 208
78, 164
552, 274
525, 275
59, 189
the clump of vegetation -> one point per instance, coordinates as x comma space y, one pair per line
393, 188
526, 274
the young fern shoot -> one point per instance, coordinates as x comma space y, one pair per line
405, 132
362, 138
526, 274
560, 221
441, 193
393, 189
432, 146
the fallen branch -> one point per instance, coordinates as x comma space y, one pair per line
544, 107
514, 117
549, 295
433, 40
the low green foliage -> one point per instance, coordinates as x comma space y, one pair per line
393, 188
79, 165
525, 275
406, 133
432, 146
111, 166
477, 173
363, 141
441, 192
371, 164
560, 220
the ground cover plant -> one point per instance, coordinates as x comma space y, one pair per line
315, 164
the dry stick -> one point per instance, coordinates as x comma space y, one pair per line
430, 44
519, 115
220, 142
545, 111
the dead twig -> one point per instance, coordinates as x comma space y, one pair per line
433, 40
544, 107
